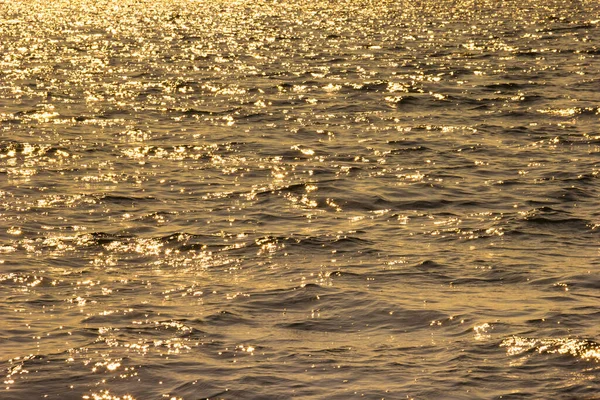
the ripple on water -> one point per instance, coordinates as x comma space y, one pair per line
311, 199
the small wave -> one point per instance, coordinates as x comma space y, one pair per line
13, 149
506, 86
113, 198
584, 349
409, 149
547, 218
203, 112
226, 318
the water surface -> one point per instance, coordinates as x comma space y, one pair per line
312, 199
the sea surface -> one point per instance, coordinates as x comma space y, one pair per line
253, 199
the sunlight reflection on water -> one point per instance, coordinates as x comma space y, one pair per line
241, 199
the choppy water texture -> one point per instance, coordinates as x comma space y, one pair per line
312, 199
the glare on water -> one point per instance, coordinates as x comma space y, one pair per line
274, 199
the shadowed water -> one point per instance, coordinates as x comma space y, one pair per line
312, 199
